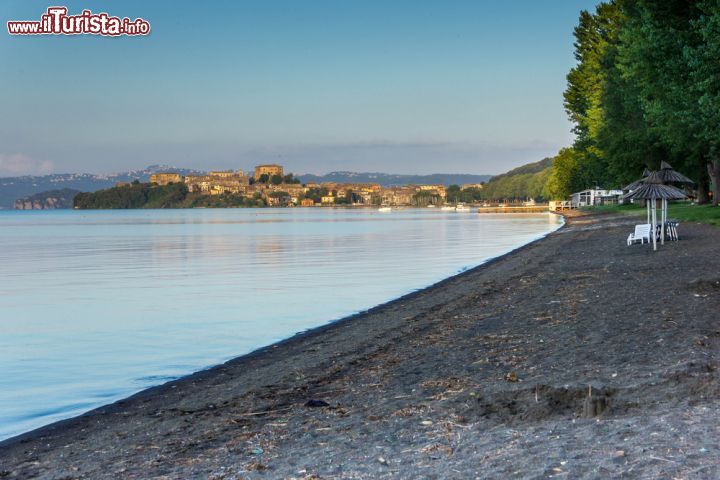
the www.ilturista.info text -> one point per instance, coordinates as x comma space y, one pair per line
57, 22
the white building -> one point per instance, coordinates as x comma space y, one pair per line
595, 196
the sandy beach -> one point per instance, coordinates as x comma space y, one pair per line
572, 357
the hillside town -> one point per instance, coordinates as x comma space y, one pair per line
276, 188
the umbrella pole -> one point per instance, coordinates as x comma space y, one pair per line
664, 220
654, 224
647, 204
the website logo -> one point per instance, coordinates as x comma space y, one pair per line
57, 22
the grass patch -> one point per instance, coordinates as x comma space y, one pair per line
682, 211
686, 212
629, 209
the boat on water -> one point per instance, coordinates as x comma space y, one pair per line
385, 209
462, 208
447, 208
431, 206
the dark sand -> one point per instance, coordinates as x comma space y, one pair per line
615, 350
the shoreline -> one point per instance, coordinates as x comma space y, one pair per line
299, 336
456, 380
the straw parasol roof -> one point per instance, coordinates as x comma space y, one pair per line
651, 190
668, 175
634, 185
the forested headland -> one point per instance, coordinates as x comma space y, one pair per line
146, 195
646, 89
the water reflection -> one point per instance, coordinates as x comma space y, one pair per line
97, 305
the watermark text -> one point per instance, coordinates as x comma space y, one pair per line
56, 21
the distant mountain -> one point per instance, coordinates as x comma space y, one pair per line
386, 179
50, 200
14, 188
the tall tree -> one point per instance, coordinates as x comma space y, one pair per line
659, 44
564, 178
584, 98
704, 62
625, 137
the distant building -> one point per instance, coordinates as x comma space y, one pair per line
218, 182
294, 190
228, 174
465, 186
269, 170
307, 202
398, 195
165, 178
434, 189
595, 196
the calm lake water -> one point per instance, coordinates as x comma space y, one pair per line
97, 305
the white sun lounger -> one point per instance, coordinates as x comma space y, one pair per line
642, 233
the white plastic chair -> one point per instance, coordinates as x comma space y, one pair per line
642, 233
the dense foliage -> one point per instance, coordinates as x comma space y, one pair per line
528, 181
423, 198
146, 195
275, 179
522, 183
135, 195
646, 88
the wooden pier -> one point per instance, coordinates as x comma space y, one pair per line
514, 209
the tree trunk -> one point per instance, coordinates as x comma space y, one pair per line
714, 172
703, 187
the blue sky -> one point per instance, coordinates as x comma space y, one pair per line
363, 85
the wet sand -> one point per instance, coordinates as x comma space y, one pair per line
573, 357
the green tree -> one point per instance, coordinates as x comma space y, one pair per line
564, 178
316, 194
594, 37
423, 198
452, 193
290, 179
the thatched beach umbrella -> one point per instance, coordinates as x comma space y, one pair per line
668, 175
652, 189
665, 175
